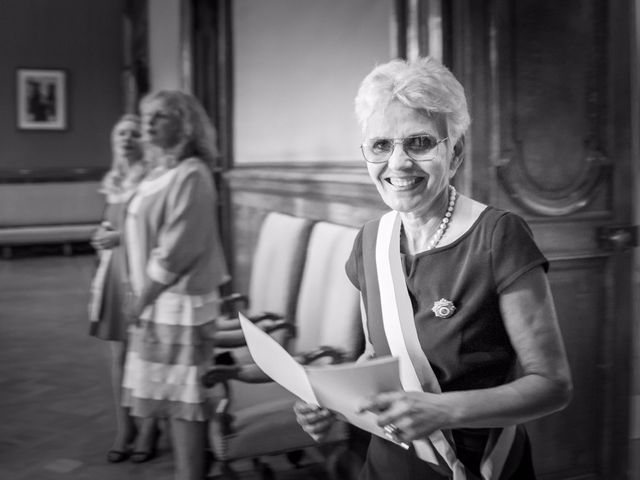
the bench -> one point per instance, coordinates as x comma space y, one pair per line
49, 213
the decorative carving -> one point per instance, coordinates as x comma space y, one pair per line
550, 156
521, 188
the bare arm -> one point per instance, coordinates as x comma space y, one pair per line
544, 387
105, 237
151, 290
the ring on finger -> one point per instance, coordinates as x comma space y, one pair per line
392, 429
393, 432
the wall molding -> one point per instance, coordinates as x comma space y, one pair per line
51, 175
339, 192
339, 182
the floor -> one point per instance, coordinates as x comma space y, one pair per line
56, 411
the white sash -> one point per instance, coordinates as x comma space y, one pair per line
395, 306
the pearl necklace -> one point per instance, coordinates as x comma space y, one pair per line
444, 224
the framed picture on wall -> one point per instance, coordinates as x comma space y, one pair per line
41, 96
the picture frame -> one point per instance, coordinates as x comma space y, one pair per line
41, 96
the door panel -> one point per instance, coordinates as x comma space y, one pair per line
548, 88
568, 441
551, 104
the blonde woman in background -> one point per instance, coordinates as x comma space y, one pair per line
176, 267
106, 309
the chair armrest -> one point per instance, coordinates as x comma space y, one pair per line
249, 373
224, 323
336, 355
233, 299
235, 338
259, 317
289, 328
220, 374
230, 338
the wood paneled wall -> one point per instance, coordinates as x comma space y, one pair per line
339, 193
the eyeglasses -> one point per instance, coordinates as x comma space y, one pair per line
418, 147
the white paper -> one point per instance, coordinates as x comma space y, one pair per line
344, 388
276, 362
341, 388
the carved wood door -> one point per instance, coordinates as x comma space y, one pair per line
549, 92
209, 27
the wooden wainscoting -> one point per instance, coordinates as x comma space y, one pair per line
336, 192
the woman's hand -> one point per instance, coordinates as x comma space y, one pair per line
132, 308
407, 416
105, 238
314, 420
136, 304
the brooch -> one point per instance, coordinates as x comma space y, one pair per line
443, 308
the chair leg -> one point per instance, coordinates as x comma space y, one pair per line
295, 457
209, 460
227, 472
343, 464
265, 471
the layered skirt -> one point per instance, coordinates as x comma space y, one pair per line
167, 355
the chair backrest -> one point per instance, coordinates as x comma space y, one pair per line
328, 311
277, 264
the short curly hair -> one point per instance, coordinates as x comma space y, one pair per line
423, 84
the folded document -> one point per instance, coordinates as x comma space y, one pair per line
340, 388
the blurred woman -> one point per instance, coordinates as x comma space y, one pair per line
107, 314
176, 267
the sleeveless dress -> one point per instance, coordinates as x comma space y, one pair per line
469, 350
106, 307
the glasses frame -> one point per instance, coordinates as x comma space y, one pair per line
401, 140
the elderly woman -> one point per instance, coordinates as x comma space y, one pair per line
454, 288
176, 267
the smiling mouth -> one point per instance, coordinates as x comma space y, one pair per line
404, 183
